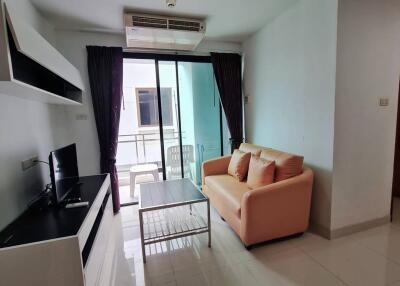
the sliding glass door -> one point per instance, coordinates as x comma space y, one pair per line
170, 118
169, 103
139, 130
200, 116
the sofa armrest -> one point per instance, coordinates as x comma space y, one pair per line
277, 209
218, 166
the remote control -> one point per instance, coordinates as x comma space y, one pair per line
77, 205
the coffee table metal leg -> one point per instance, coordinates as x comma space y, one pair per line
142, 236
209, 223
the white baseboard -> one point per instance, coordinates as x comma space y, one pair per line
346, 230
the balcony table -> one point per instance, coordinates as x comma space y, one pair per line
144, 169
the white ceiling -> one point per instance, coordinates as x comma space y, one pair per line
227, 20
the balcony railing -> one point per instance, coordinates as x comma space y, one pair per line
142, 148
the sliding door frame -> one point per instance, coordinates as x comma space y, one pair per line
167, 57
173, 58
160, 119
179, 117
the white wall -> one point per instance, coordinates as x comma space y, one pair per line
368, 67
290, 79
72, 45
207, 46
27, 128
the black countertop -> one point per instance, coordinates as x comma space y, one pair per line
53, 222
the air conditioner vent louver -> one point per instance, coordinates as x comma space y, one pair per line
149, 22
184, 25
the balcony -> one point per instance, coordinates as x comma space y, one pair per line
142, 148
194, 110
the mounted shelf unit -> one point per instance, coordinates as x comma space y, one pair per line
31, 68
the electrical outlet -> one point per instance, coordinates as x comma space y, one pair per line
29, 163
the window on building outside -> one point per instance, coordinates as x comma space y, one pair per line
147, 106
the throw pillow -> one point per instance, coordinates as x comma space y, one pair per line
239, 164
261, 172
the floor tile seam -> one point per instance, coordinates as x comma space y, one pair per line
324, 267
362, 245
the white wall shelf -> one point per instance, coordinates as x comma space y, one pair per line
29, 92
31, 68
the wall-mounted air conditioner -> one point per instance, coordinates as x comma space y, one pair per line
160, 32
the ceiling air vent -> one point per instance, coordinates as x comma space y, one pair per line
184, 25
150, 22
160, 32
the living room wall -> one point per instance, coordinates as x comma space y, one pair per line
290, 80
72, 44
368, 67
314, 77
27, 128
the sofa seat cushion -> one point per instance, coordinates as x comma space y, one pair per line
227, 189
286, 165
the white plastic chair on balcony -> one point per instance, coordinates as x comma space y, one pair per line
174, 161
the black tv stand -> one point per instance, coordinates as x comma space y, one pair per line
73, 241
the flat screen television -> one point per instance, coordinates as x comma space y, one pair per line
63, 172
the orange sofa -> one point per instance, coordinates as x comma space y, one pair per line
276, 210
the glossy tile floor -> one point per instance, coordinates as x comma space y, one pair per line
367, 258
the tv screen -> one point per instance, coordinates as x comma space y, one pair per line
63, 171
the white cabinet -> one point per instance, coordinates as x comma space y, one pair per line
62, 247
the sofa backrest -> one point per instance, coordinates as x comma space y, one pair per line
254, 149
286, 165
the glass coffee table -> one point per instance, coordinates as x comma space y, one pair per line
166, 212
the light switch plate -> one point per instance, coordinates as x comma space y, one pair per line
29, 163
383, 101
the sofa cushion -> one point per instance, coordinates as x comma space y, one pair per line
239, 164
253, 149
261, 172
286, 165
227, 189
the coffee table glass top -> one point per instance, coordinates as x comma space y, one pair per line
169, 193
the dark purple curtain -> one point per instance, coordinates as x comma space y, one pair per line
228, 74
105, 75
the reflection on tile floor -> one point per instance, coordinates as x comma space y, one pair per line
367, 258
125, 194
